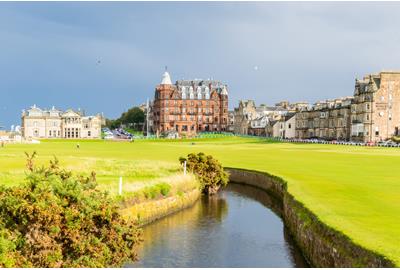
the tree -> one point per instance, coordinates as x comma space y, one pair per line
112, 124
133, 116
57, 219
208, 170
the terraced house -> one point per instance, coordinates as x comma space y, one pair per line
375, 112
190, 106
328, 119
371, 115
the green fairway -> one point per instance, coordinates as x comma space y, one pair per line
353, 189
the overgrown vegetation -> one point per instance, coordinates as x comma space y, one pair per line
154, 190
208, 170
56, 219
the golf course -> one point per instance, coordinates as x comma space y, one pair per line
353, 189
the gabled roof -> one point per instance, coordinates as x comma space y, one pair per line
289, 116
71, 112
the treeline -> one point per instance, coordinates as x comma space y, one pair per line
132, 118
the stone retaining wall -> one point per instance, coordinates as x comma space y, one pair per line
150, 211
321, 245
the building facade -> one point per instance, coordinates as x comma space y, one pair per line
190, 106
54, 123
243, 115
328, 120
259, 120
371, 115
284, 128
231, 121
375, 112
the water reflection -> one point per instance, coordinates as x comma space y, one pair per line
239, 227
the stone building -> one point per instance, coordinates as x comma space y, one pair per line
284, 128
258, 125
54, 123
243, 115
190, 106
257, 120
231, 121
329, 119
371, 115
375, 112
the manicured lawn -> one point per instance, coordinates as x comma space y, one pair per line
353, 189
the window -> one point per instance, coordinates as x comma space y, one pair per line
50, 133
89, 133
290, 125
207, 93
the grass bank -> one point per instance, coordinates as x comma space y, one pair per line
354, 190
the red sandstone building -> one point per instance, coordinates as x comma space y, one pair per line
190, 106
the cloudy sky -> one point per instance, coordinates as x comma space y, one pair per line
106, 57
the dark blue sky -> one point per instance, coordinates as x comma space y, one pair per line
49, 51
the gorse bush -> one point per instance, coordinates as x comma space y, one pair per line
208, 170
56, 219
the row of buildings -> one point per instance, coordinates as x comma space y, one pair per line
372, 114
188, 107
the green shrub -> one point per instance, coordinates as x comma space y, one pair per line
60, 220
164, 188
155, 191
208, 170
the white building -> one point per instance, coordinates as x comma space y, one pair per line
284, 128
54, 123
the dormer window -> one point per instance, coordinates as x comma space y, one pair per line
191, 94
207, 93
183, 89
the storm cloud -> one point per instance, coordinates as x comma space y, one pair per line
106, 57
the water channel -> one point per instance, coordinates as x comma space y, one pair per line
239, 227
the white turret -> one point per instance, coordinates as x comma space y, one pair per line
166, 79
224, 91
